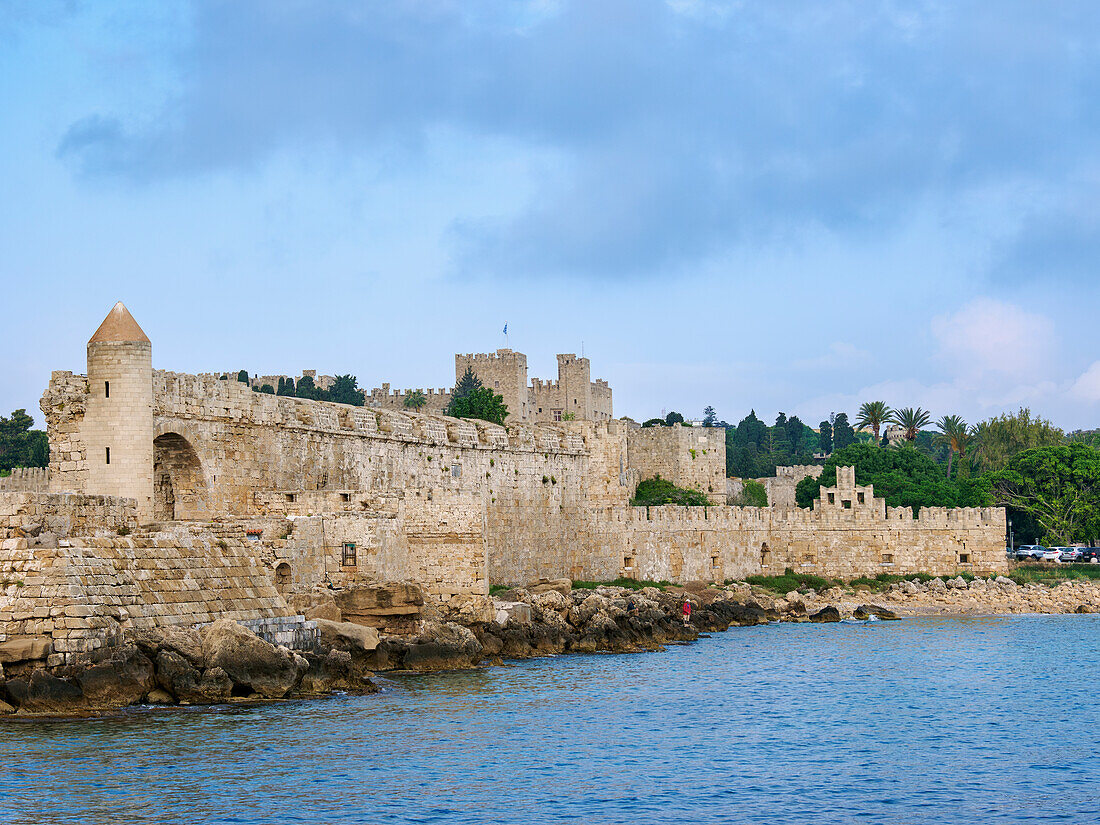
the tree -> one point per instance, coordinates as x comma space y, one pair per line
467, 384
911, 420
825, 437
20, 446
955, 433
873, 414
1058, 487
753, 494
287, 388
710, 418
902, 475
267, 389
242, 376
1001, 438
345, 390
653, 492
482, 403
415, 400
654, 422
673, 418
306, 388
843, 434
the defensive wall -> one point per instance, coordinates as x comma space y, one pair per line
194, 497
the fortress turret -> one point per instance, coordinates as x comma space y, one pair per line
118, 423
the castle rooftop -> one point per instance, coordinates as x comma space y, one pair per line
119, 326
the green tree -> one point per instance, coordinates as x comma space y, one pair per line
467, 384
345, 390
955, 433
306, 388
242, 376
710, 418
656, 491
282, 386
673, 418
654, 422
873, 414
415, 400
20, 446
902, 475
753, 494
288, 388
267, 389
911, 420
999, 439
825, 437
843, 434
1058, 487
482, 403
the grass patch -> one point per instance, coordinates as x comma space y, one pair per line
633, 584
791, 581
653, 492
1041, 574
497, 588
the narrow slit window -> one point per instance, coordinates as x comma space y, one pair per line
108, 455
106, 389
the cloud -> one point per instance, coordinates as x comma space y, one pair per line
839, 355
988, 335
1087, 386
684, 128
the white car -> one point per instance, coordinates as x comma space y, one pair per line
1051, 554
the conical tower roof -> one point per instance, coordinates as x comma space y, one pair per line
119, 325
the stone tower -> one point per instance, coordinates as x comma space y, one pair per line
575, 380
505, 373
118, 421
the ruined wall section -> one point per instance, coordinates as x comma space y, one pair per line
26, 480
781, 487
66, 514
63, 405
692, 457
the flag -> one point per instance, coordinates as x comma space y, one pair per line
505, 329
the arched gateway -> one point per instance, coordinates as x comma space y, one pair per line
179, 486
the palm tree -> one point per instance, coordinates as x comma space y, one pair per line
911, 420
415, 399
955, 433
873, 414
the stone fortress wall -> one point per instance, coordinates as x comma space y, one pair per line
254, 496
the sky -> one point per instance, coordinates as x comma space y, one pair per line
773, 205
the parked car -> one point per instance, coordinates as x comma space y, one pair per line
1090, 555
1069, 554
1050, 554
1029, 551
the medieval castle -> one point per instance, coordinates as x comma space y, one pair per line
174, 498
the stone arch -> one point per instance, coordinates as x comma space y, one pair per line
179, 484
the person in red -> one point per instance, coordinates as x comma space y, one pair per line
687, 611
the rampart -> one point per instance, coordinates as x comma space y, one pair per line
688, 456
26, 480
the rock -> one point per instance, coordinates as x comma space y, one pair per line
512, 612
469, 609
1084, 608
319, 604
5, 708
121, 679
347, 636
1004, 581
826, 614
159, 697
45, 693
562, 586
248, 660
443, 646
865, 610
367, 604
25, 648
176, 675
937, 585
555, 602
334, 671
187, 643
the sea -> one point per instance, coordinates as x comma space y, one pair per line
924, 720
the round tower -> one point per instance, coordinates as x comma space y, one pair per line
118, 420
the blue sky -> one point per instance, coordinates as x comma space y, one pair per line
791, 206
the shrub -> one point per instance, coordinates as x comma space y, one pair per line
753, 494
656, 491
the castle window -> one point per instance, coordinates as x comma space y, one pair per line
556, 415
832, 498
291, 497
108, 455
859, 497
345, 496
456, 471
847, 504
628, 562
349, 554
106, 389
964, 558
887, 558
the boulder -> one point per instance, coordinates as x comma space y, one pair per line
393, 607
5, 708
176, 675
45, 693
123, 678
512, 612
443, 646
866, 610
25, 648
248, 660
334, 670
469, 609
826, 614
187, 643
562, 586
319, 604
554, 601
159, 697
347, 636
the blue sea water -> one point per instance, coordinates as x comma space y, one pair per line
984, 720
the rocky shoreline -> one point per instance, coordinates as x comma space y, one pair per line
226, 662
